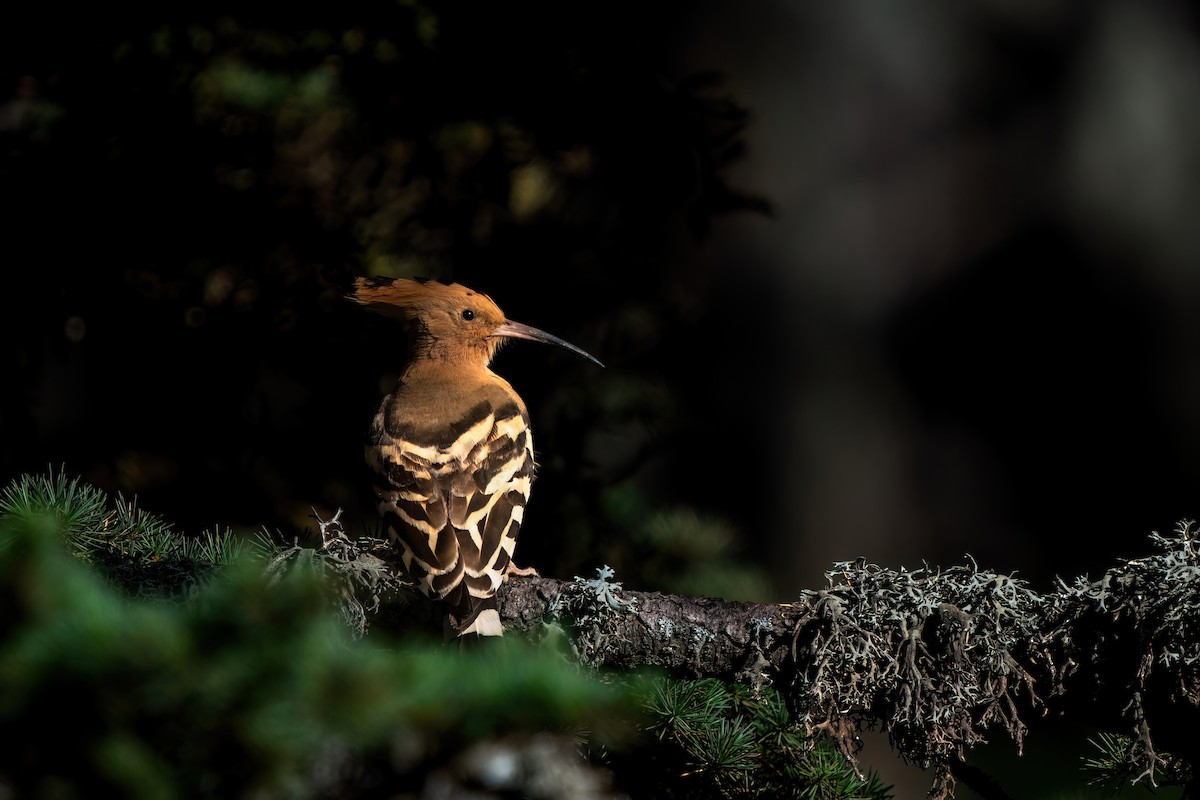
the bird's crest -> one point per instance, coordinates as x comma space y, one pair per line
402, 297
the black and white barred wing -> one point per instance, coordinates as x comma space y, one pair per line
456, 507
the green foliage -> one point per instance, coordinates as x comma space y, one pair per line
1115, 764
723, 741
252, 685
250, 689
139, 551
90, 523
75, 507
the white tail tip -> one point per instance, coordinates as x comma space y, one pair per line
486, 624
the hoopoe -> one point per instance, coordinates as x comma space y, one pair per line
452, 447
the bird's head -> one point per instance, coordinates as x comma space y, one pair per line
451, 321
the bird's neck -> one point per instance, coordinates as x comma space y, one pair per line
461, 369
470, 355
432, 392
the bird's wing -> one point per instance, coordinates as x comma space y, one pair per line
414, 510
456, 507
487, 502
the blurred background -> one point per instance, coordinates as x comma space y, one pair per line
902, 281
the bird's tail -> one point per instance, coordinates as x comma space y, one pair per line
483, 619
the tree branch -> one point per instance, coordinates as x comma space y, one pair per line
937, 657
694, 636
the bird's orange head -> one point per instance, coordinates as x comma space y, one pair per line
449, 322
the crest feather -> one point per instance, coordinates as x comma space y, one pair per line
400, 297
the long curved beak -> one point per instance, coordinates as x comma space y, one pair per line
516, 330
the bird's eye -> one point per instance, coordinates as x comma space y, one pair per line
468, 314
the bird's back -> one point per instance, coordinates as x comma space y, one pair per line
455, 462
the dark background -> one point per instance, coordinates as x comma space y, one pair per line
900, 281
939, 296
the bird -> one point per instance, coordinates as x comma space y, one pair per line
451, 447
